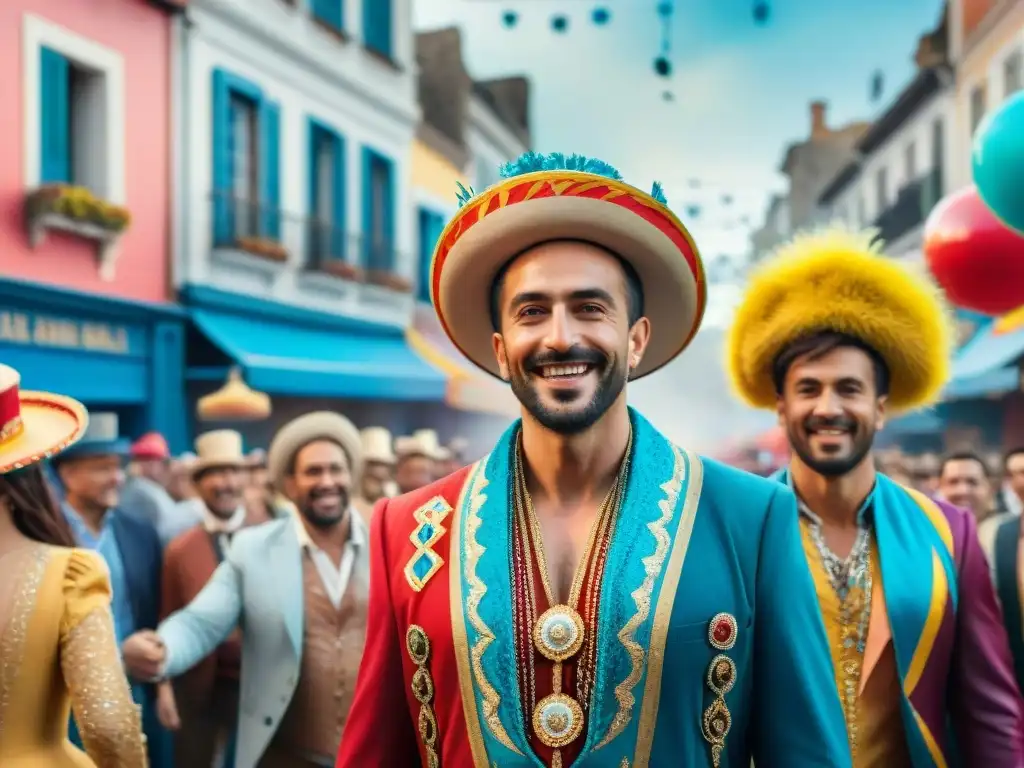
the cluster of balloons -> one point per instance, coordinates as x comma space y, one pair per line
974, 238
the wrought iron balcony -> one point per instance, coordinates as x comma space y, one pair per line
310, 245
913, 203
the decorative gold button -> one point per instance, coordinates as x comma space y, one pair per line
558, 633
557, 720
417, 644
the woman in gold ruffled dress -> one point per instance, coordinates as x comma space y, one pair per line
57, 643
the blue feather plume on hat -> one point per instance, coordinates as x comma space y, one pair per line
531, 162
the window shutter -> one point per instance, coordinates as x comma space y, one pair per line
377, 25
314, 236
389, 215
367, 193
330, 11
422, 287
339, 232
270, 169
54, 118
223, 208
431, 226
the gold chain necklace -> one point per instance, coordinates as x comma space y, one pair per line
559, 633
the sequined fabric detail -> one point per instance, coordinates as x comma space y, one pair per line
850, 579
108, 719
32, 567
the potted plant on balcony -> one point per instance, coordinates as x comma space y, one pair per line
344, 270
263, 247
389, 280
76, 205
73, 209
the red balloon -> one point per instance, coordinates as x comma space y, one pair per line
977, 259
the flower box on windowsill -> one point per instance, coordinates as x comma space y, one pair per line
329, 28
63, 208
263, 248
343, 270
384, 58
389, 280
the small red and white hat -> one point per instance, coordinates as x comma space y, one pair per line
35, 425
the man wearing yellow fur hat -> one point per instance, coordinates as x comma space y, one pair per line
834, 336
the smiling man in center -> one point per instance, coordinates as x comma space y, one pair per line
588, 594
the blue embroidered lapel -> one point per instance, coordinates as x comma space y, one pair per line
658, 511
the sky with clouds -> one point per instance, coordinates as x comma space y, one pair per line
741, 91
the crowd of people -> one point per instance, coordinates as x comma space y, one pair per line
588, 593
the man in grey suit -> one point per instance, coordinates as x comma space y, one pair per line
298, 588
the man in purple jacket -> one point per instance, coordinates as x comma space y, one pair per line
834, 336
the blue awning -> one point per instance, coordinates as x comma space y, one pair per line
302, 360
988, 352
995, 382
916, 423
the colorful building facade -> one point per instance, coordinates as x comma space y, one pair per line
468, 130
295, 253
987, 46
985, 404
85, 189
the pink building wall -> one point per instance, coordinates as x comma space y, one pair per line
141, 32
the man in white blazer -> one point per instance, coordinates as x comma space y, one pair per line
297, 587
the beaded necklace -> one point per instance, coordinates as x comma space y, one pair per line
850, 578
559, 633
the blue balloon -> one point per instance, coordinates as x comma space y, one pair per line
998, 161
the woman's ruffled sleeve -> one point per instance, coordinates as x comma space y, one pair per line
108, 720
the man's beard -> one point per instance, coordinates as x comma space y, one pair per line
319, 520
609, 386
862, 439
227, 504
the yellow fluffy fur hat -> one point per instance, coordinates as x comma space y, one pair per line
839, 280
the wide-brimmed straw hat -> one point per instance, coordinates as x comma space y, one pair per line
839, 280
300, 432
35, 425
377, 446
101, 438
544, 198
219, 448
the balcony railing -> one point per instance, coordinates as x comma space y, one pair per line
913, 203
314, 246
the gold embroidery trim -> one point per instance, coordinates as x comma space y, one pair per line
417, 644
694, 470
459, 638
653, 565
425, 535
13, 636
477, 589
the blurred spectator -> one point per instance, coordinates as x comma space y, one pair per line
415, 467
377, 480
145, 495
965, 480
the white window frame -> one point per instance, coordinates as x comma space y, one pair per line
39, 33
994, 71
